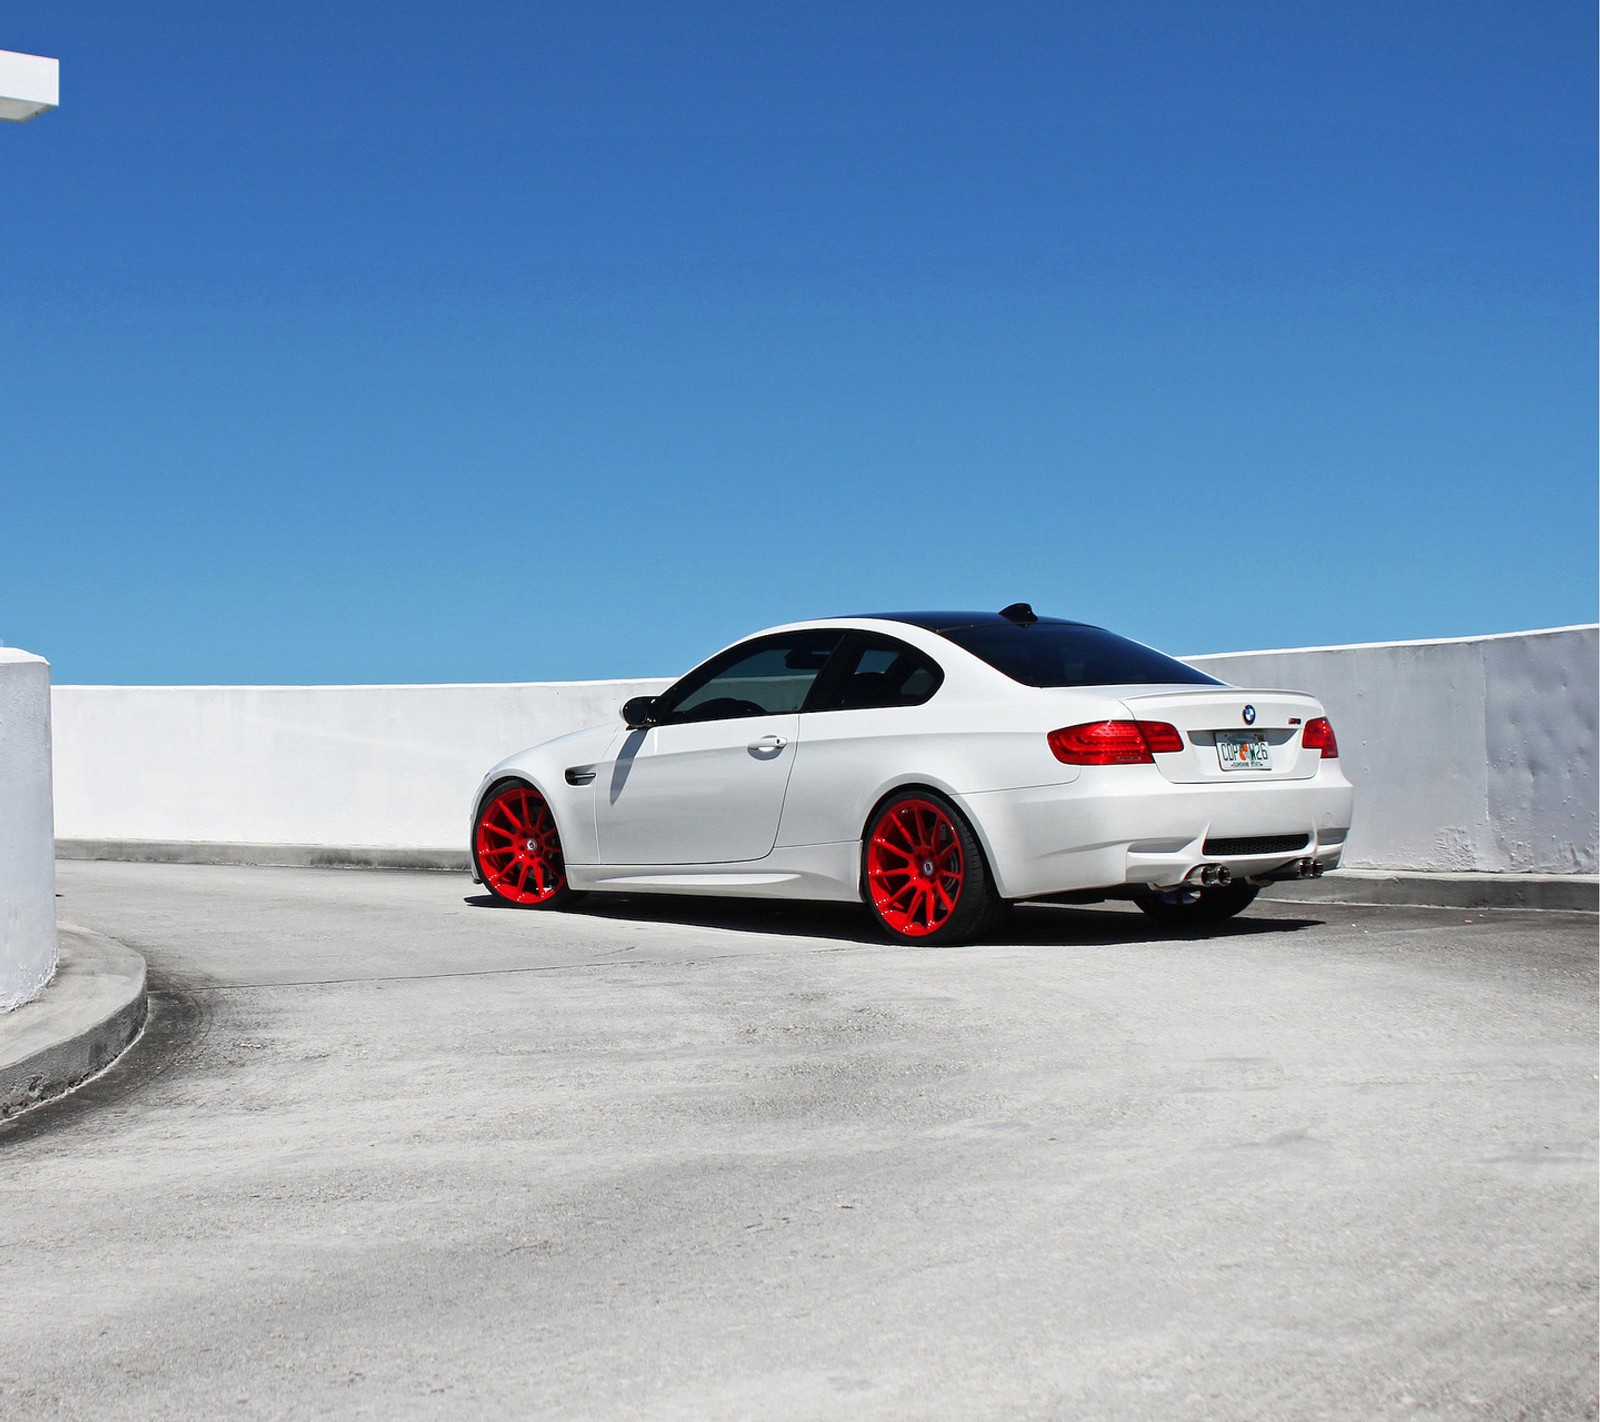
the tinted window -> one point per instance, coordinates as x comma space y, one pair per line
762, 678
877, 671
1067, 654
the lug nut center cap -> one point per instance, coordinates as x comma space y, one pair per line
927, 868
533, 844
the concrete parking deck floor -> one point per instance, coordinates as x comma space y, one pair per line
387, 1151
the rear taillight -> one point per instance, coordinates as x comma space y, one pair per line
1319, 737
1114, 742
1160, 737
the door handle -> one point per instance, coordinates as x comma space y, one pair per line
769, 743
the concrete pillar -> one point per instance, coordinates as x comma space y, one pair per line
27, 831
30, 84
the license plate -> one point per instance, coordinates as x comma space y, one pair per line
1238, 750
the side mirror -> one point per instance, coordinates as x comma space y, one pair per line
639, 712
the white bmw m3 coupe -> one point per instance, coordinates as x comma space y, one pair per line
936, 766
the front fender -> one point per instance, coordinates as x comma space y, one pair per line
544, 767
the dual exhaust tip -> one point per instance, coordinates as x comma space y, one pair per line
1219, 875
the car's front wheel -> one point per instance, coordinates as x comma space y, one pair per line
924, 873
517, 849
1210, 906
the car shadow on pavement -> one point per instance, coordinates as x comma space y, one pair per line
1061, 923
1026, 925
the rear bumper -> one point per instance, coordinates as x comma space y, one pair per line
1128, 825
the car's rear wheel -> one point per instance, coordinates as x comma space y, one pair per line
517, 849
1212, 906
924, 873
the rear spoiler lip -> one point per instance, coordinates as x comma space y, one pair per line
1245, 691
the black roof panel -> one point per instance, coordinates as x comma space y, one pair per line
944, 621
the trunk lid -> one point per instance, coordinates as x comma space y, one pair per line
1206, 716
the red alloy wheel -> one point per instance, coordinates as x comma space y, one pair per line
915, 869
518, 848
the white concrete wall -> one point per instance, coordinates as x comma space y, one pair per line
1473, 754
369, 766
27, 847
1476, 754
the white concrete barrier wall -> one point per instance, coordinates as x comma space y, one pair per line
27, 849
388, 767
1477, 754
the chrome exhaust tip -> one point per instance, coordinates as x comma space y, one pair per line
1224, 876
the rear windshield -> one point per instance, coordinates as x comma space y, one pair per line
1066, 654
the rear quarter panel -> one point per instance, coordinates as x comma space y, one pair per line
847, 761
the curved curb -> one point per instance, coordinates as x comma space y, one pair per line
93, 1009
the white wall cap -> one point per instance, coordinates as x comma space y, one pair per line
369, 686
12, 655
29, 84
1419, 642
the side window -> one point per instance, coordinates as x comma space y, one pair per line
878, 671
765, 678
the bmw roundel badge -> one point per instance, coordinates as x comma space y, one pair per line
1249, 715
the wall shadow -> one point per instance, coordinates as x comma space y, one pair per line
177, 1022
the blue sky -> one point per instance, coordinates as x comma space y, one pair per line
391, 342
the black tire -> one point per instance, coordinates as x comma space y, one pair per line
945, 880
516, 849
1213, 906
